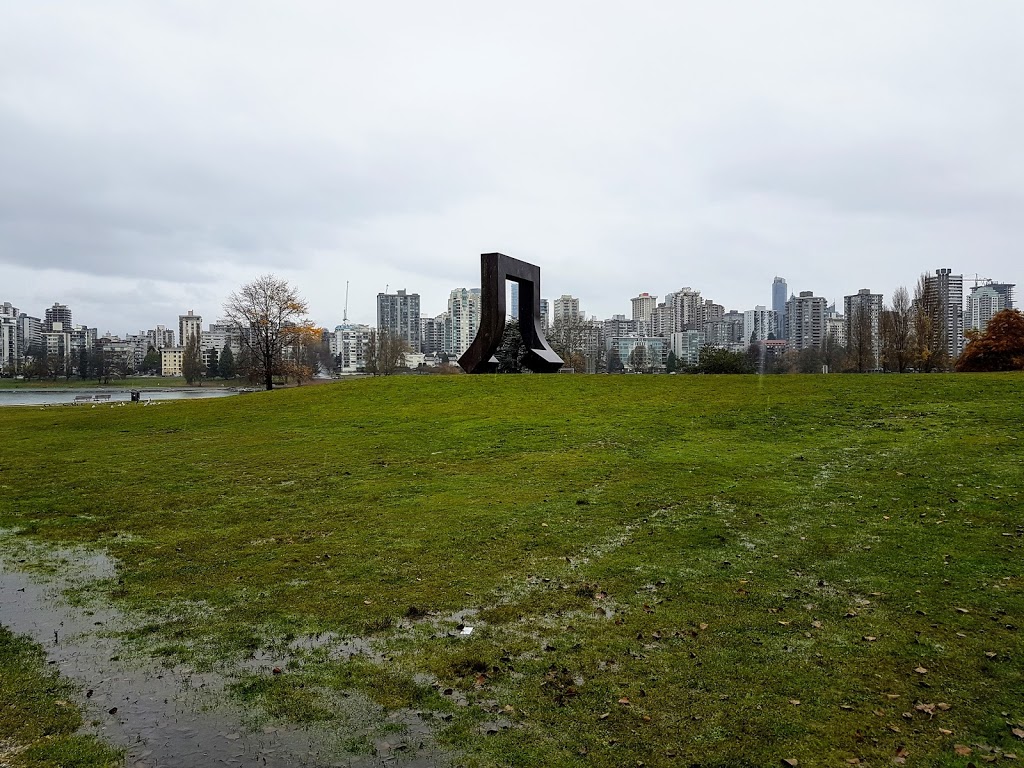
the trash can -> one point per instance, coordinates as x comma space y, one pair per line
136, 395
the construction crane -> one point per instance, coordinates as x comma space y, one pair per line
979, 279
344, 317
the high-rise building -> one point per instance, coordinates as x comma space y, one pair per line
759, 323
30, 334
618, 325
710, 312
464, 320
566, 308
835, 327
984, 301
779, 297
399, 314
945, 293
806, 320
514, 300
188, 326
545, 315
643, 305
160, 337
863, 312
10, 350
58, 318
432, 334
686, 346
219, 335
348, 346
685, 306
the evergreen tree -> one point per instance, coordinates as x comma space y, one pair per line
192, 361
672, 363
227, 363
212, 366
151, 362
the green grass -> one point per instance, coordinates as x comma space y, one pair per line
710, 549
38, 723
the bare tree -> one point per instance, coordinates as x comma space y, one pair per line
570, 337
385, 352
269, 314
929, 351
861, 347
898, 331
192, 360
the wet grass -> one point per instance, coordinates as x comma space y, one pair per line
673, 570
38, 716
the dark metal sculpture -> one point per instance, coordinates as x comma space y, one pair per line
495, 269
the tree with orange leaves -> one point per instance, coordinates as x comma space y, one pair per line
268, 315
999, 348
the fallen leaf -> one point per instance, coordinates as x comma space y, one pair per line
921, 670
367, 602
790, 761
962, 610
853, 761
816, 624
1018, 732
784, 623
962, 749
942, 706
869, 638
991, 654
795, 702
603, 716
892, 695
945, 732
847, 707
894, 728
624, 701
703, 626
927, 708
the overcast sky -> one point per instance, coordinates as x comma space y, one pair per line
156, 155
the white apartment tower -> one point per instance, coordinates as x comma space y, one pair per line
984, 301
566, 308
759, 323
464, 320
643, 306
189, 325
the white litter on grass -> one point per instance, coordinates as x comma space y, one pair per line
466, 631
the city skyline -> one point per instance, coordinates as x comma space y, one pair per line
163, 157
969, 282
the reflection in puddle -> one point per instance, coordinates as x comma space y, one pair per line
174, 716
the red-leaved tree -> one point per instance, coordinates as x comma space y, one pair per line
999, 348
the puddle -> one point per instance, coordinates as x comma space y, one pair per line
167, 717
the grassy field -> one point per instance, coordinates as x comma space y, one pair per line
673, 570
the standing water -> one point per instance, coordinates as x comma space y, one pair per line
166, 717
